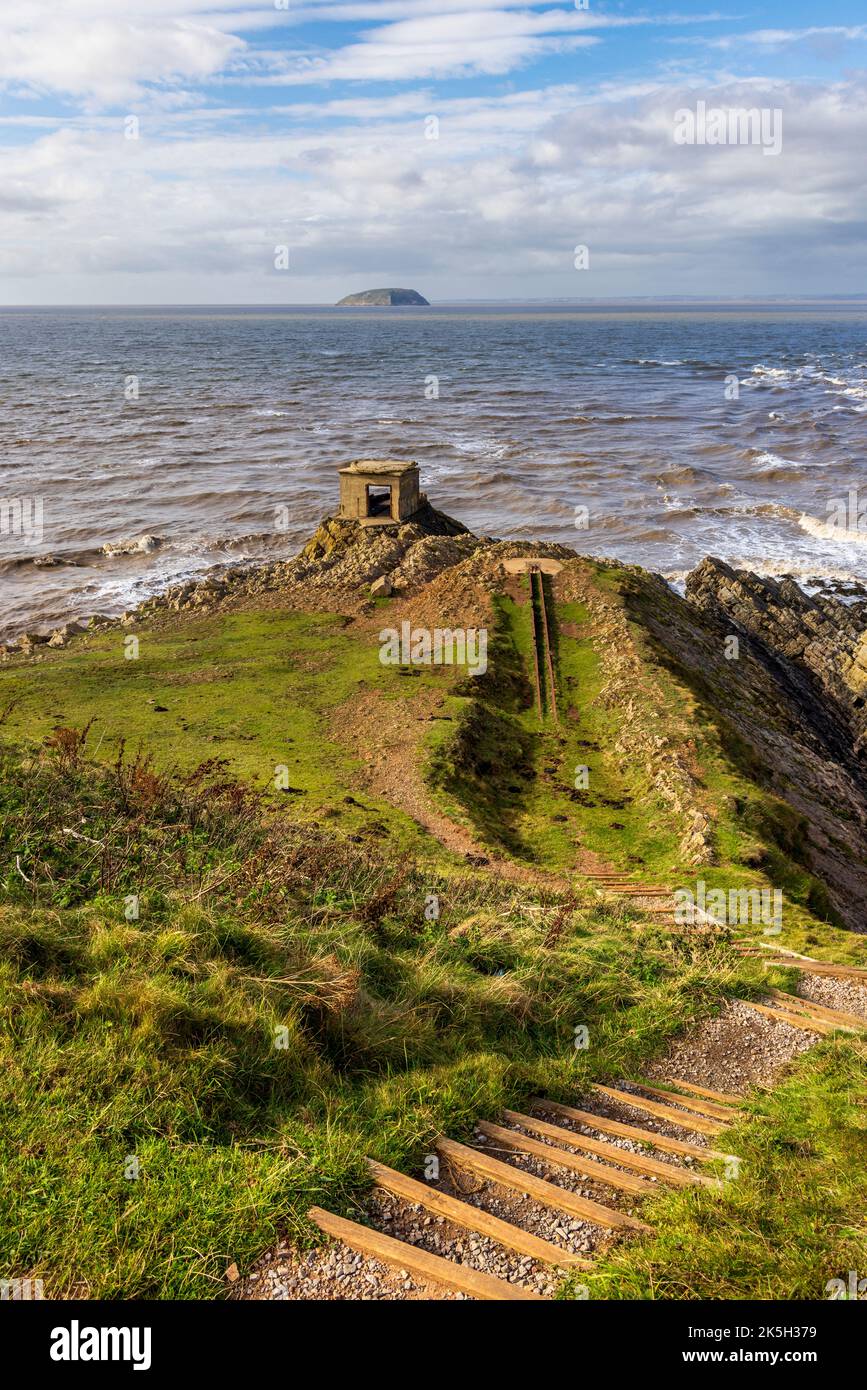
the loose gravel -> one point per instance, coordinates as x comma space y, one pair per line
846, 995
737, 1049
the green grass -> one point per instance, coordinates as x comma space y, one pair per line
515, 779
254, 689
156, 1038
512, 777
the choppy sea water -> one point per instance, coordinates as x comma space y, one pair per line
225, 444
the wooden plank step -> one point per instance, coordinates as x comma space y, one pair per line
643, 1163
837, 972
641, 885
818, 1010
433, 1268
624, 1131
795, 1020
631, 892
725, 1096
710, 1108
548, 1193
587, 1167
474, 1218
662, 1112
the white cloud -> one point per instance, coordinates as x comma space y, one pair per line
90, 51
768, 39
194, 208
455, 38
105, 53
502, 197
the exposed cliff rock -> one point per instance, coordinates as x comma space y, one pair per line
789, 705
349, 556
821, 641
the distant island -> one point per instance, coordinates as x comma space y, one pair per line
381, 298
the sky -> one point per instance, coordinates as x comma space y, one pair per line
244, 152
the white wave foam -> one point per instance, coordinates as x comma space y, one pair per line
829, 531
137, 545
766, 461
775, 373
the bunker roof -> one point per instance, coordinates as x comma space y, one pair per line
389, 466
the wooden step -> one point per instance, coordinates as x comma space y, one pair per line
662, 1112
631, 892
710, 1108
474, 1218
818, 1010
598, 1172
624, 1131
724, 1096
548, 1193
421, 1263
792, 1017
837, 972
642, 1163
639, 886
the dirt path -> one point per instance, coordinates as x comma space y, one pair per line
387, 736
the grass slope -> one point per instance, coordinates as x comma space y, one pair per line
253, 689
281, 1007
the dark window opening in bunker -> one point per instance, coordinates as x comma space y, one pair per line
379, 501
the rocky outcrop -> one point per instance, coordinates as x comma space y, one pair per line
344, 554
778, 678
820, 643
786, 701
135, 545
338, 566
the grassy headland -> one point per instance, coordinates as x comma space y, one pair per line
218, 996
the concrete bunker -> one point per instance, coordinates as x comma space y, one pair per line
379, 492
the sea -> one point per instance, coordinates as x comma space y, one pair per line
139, 447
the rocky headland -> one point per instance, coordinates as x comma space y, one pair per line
786, 699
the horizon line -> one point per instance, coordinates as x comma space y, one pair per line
830, 297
